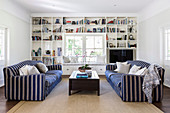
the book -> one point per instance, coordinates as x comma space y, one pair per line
82, 75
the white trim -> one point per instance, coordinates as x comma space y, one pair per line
1, 83
167, 85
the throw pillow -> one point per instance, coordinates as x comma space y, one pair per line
23, 70
124, 68
42, 67
100, 59
66, 59
74, 60
118, 65
32, 70
134, 69
142, 71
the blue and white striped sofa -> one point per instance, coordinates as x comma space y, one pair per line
129, 87
30, 87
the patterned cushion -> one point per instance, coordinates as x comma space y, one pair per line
139, 63
109, 72
57, 73
15, 68
116, 79
49, 80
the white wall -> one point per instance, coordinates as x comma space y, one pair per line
149, 46
19, 37
14, 9
16, 20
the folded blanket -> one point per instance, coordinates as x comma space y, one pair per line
151, 80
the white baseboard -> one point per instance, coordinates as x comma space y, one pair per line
1, 83
167, 85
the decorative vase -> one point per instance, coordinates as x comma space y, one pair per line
83, 70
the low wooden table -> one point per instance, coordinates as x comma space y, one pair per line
90, 84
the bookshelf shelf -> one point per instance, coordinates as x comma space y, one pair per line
121, 33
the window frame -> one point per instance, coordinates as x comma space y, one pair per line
84, 45
2, 58
5, 61
166, 44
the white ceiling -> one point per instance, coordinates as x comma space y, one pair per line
84, 6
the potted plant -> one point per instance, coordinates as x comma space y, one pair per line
83, 68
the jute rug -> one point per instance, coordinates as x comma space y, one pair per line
58, 101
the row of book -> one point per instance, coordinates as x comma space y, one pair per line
80, 30
111, 30
96, 22
124, 21
115, 21
35, 38
77, 30
96, 30
78, 22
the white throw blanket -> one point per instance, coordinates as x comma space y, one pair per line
151, 80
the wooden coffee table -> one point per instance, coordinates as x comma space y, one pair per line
90, 84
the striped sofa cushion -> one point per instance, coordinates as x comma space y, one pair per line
14, 69
139, 63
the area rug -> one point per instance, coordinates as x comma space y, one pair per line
58, 101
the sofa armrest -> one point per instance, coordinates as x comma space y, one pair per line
131, 88
26, 87
111, 66
55, 67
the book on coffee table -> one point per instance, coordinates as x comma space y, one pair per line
82, 75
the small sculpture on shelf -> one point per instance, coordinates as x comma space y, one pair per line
131, 37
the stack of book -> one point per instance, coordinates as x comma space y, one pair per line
82, 75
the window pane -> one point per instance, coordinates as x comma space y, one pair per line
78, 42
69, 42
168, 42
89, 41
90, 59
98, 42
94, 52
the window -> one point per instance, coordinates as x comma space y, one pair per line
2, 43
167, 43
94, 47
74, 47
86, 48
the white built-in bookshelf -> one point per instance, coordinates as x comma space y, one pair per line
48, 32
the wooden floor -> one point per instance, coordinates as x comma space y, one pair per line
165, 104
6, 105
